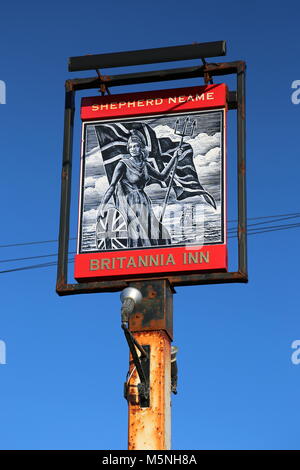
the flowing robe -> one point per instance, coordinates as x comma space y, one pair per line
143, 227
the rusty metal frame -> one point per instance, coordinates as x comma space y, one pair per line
148, 56
236, 100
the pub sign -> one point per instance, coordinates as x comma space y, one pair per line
153, 184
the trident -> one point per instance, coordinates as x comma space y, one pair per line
182, 134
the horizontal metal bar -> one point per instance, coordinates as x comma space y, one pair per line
90, 287
222, 68
211, 278
179, 280
148, 56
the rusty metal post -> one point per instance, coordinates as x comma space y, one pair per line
66, 175
149, 428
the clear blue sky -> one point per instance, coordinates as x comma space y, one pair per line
62, 385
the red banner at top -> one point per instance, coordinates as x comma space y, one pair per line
154, 102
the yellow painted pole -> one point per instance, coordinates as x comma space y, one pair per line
150, 428
151, 323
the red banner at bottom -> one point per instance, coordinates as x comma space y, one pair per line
123, 264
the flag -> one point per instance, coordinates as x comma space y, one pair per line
113, 138
186, 182
111, 231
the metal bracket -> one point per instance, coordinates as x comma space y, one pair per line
174, 370
142, 365
207, 77
103, 87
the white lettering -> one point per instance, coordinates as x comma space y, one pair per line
2, 92
296, 354
190, 98
173, 459
2, 352
114, 460
296, 94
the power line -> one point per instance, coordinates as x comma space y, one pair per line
251, 228
273, 229
32, 243
271, 221
252, 231
230, 232
11, 260
33, 266
38, 242
294, 214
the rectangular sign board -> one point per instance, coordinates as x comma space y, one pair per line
153, 184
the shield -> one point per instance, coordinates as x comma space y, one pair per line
111, 231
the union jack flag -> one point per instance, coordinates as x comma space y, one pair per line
111, 233
113, 138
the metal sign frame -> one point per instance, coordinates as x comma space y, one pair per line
236, 101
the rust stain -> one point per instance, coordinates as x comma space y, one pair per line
69, 85
64, 173
149, 428
242, 167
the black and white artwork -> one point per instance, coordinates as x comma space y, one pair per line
152, 182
